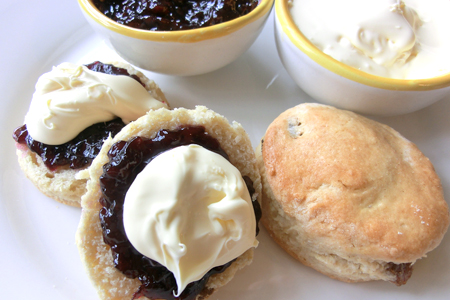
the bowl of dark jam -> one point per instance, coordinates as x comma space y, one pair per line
178, 37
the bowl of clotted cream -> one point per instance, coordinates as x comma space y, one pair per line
178, 37
379, 57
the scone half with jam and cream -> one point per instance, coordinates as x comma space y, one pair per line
348, 196
171, 209
74, 108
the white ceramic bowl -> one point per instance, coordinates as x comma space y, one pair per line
332, 82
185, 52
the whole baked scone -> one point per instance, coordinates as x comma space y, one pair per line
70, 128
348, 196
149, 172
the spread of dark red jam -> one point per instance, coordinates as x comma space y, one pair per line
170, 15
127, 160
76, 153
80, 151
100, 67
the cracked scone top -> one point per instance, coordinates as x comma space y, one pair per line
348, 196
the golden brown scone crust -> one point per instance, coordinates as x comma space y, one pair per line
347, 195
62, 184
96, 255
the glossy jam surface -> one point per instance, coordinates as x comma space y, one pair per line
169, 15
80, 151
77, 153
127, 159
100, 67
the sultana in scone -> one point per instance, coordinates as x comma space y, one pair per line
109, 186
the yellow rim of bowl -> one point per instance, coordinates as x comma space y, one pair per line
182, 36
337, 67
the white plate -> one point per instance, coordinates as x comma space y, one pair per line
38, 257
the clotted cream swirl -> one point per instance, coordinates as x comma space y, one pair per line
190, 210
403, 39
71, 98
